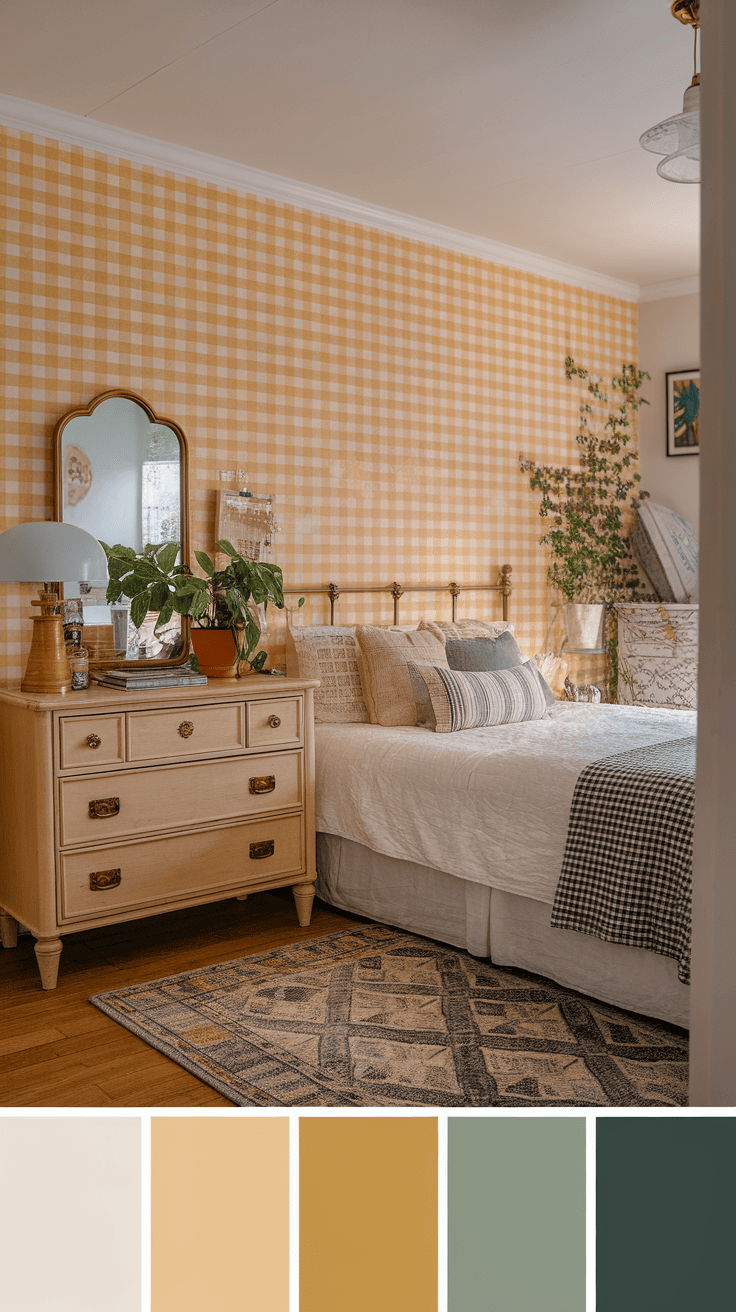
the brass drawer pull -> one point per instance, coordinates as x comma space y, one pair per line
104, 807
260, 850
274, 721
265, 784
93, 740
186, 729
102, 879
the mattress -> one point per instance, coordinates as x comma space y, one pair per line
489, 806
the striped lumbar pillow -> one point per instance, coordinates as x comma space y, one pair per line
470, 701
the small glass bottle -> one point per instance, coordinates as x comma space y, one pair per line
79, 661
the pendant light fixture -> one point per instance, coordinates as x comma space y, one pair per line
678, 138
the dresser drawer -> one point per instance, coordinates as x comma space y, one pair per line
91, 740
279, 720
125, 876
185, 731
104, 806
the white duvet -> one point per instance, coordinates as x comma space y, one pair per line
490, 805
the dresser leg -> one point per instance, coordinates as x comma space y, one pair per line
8, 930
48, 952
241, 897
303, 897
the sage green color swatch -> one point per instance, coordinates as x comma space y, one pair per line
516, 1214
665, 1213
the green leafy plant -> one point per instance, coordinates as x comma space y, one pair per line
224, 599
686, 408
591, 506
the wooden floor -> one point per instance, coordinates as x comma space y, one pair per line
57, 1050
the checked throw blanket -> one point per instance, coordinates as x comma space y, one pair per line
627, 870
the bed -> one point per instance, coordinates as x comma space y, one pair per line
461, 836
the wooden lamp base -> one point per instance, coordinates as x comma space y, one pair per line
48, 668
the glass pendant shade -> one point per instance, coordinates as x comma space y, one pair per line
678, 139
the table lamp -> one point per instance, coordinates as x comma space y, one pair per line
30, 553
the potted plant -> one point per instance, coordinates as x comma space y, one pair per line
225, 607
591, 507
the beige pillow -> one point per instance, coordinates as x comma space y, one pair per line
459, 629
328, 653
384, 656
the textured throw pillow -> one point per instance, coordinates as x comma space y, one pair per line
384, 656
481, 654
474, 700
330, 654
461, 629
499, 653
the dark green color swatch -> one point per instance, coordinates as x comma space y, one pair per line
665, 1213
516, 1214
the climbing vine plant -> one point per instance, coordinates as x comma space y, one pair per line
589, 506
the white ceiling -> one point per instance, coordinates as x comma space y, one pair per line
515, 120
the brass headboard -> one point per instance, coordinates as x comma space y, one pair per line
397, 590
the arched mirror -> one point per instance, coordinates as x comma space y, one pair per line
121, 474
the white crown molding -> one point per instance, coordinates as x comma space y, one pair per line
660, 291
43, 120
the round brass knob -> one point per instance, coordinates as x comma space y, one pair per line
186, 729
274, 721
93, 740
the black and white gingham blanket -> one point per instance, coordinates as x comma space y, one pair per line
627, 870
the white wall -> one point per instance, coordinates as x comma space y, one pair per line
669, 339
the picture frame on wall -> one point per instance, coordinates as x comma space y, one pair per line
683, 411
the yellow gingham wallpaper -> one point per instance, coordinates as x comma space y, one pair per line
381, 389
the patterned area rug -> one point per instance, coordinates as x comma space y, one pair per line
373, 1017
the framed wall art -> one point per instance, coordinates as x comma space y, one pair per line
683, 410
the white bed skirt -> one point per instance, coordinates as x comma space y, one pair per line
512, 930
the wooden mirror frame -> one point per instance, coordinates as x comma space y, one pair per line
84, 412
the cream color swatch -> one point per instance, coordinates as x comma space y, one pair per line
219, 1214
70, 1214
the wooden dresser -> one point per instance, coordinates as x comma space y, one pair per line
115, 806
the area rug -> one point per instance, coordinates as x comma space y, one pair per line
374, 1017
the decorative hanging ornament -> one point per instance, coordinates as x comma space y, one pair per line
678, 138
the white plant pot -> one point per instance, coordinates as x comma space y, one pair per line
585, 626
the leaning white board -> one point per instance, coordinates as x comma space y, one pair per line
668, 548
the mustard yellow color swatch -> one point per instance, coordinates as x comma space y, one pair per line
219, 1214
368, 1214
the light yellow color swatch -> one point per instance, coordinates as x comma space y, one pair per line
219, 1214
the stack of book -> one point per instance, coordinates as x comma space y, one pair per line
166, 676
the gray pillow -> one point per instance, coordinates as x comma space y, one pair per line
477, 655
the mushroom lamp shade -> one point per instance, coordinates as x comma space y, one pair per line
678, 139
30, 553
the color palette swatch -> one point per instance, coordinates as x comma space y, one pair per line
219, 1214
665, 1213
70, 1214
368, 1214
350, 1213
516, 1214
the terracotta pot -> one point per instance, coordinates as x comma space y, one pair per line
216, 652
585, 625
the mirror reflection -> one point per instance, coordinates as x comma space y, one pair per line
120, 478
